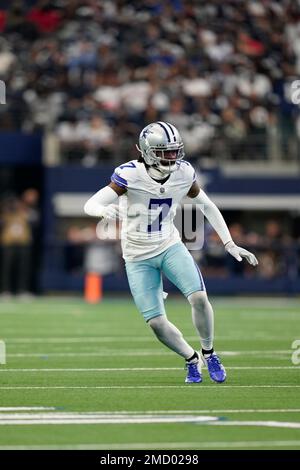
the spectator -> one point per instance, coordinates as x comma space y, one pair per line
234, 132
97, 139
30, 199
16, 239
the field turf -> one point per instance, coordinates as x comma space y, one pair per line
94, 377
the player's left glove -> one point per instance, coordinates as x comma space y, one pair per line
239, 253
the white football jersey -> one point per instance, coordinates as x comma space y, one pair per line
148, 208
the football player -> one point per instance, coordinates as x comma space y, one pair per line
150, 188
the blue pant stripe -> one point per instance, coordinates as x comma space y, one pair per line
200, 276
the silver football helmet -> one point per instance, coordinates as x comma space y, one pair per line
161, 146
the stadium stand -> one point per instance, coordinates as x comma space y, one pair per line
91, 70
84, 76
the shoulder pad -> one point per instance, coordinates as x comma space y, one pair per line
188, 171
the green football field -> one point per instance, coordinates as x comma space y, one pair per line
94, 377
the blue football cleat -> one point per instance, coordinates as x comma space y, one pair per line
215, 368
193, 373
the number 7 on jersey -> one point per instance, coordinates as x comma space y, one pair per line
165, 206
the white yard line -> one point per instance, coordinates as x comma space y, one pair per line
125, 369
18, 414
195, 387
5, 409
165, 412
269, 424
124, 338
146, 369
145, 353
159, 445
262, 367
104, 418
27, 408
85, 418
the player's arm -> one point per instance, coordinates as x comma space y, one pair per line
217, 221
103, 203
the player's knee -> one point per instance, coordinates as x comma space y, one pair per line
198, 300
156, 323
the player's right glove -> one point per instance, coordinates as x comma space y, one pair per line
239, 253
110, 212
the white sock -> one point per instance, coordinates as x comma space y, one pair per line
203, 318
170, 336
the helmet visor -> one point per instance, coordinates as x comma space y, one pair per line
169, 156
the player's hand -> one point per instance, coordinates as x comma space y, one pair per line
110, 212
239, 253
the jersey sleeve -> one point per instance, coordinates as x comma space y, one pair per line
124, 175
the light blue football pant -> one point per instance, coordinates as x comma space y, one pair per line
145, 278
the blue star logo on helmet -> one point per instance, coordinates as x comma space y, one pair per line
146, 132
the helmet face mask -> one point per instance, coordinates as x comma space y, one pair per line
161, 146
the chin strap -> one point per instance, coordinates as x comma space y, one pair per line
156, 173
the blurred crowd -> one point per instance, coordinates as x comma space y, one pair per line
96, 71
278, 252
85, 246
19, 244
